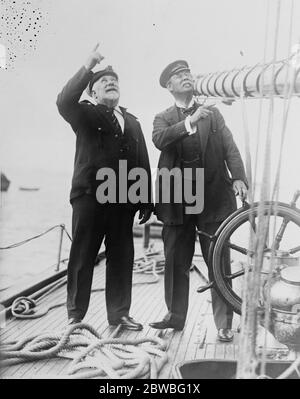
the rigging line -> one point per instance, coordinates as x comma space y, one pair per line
261, 100
266, 171
252, 236
258, 132
247, 146
31, 238
275, 194
246, 344
288, 88
286, 106
247, 361
265, 191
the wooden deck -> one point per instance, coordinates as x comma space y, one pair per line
196, 341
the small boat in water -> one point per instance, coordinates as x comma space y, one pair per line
29, 188
5, 182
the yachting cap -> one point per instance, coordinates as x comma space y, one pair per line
172, 69
97, 75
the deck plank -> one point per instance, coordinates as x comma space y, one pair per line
229, 351
47, 324
53, 320
202, 332
199, 332
52, 324
220, 351
12, 329
96, 318
198, 340
210, 351
187, 338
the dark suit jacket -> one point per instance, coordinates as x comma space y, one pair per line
94, 130
219, 153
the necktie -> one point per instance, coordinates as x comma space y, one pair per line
124, 147
190, 110
115, 122
111, 115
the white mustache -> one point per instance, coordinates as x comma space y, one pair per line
111, 88
187, 81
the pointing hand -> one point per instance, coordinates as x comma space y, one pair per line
201, 113
94, 58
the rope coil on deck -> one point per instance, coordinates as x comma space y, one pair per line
103, 358
153, 262
23, 308
98, 357
26, 307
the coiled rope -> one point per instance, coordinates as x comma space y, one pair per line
98, 357
152, 262
23, 308
26, 307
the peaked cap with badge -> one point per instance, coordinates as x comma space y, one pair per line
97, 75
172, 69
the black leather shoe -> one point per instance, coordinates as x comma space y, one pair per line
128, 323
225, 335
161, 325
74, 320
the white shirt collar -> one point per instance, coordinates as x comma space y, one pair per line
119, 115
181, 105
118, 109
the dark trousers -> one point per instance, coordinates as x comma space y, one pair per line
90, 224
179, 247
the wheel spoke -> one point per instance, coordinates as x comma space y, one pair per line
229, 290
280, 233
235, 275
294, 250
237, 248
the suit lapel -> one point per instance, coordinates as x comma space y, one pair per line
173, 118
124, 112
125, 116
130, 124
172, 115
101, 113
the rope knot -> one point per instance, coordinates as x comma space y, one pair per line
23, 305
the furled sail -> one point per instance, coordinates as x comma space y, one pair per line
260, 80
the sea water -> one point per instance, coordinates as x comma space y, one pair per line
24, 214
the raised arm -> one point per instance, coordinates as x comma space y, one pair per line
68, 100
165, 134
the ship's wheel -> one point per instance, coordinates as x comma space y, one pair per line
235, 233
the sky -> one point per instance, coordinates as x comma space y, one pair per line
138, 38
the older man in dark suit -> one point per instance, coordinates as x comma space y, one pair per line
105, 135
194, 137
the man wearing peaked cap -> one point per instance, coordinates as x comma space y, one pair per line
108, 71
193, 138
172, 69
105, 135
